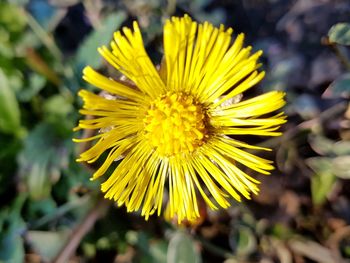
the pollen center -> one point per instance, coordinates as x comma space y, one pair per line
175, 123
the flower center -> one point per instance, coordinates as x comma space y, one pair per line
174, 124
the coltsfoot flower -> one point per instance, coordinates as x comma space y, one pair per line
177, 126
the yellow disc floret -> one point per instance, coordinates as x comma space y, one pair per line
175, 123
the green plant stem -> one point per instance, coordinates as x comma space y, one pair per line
342, 57
306, 125
45, 38
50, 44
60, 211
215, 249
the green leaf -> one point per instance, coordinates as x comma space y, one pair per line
281, 231
12, 17
57, 110
325, 146
339, 88
87, 53
332, 166
47, 243
242, 241
181, 249
320, 164
158, 251
341, 166
38, 180
42, 158
321, 145
321, 186
323, 180
246, 241
11, 227
340, 34
341, 148
150, 250
58, 105
9, 108
35, 85
39, 208
52, 212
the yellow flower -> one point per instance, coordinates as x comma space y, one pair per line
177, 126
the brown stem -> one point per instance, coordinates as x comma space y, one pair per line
337, 50
342, 57
324, 116
81, 230
335, 239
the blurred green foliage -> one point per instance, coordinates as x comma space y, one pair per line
302, 212
340, 34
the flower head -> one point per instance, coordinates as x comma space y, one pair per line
177, 126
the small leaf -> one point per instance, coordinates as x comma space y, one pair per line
338, 88
325, 146
38, 180
87, 53
321, 145
242, 241
281, 231
36, 84
342, 148
12, 17
158, 251
320, 164
41, 159
340, 34
181, 249
9, 108
321, 186
323, 180
47, 243
57, 105
341, 166
11, 227
57, 111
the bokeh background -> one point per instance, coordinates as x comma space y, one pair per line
51, 212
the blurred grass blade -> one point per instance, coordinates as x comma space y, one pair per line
63, 209
312, 250
36, 63
9, 108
